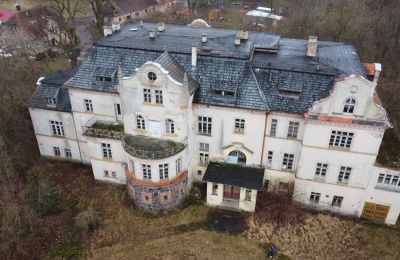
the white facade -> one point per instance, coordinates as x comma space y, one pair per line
328, 154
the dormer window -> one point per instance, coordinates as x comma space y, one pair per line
152, 76
224, 93
349, 105
103, 79
51, 101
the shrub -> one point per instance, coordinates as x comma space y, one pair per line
43, 198
277, 208
87, 221
67, 249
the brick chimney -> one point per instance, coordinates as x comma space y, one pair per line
312, 46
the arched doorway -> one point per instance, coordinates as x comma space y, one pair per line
237, 157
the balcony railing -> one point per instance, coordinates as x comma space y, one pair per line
151, 148
103, 129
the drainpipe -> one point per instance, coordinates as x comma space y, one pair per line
264, 137
77, 139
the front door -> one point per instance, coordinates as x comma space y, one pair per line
155, 128
375, 212
231, 192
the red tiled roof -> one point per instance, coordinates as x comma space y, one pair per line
32, 21
5, 15
127, 6
369, 69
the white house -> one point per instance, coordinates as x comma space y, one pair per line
162, 106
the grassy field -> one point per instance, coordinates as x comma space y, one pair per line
129, 233
25, 4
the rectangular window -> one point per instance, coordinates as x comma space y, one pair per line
287, 161
293, 129
341, 139
199, 172
146, 169
159, 97
57, 128
88, 105
147, 95
337, 201
118, 108
106, 174
274, 125
344, 174
247, 195
203, 158
388, 181
204, 125
114, 174
320, 171
204, 147
67, 152
239, 125
106, 148
163, 170
215, 189
269, 158
56, 151
51, 101
178, 165
314, 197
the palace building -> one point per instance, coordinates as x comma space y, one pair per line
158, 107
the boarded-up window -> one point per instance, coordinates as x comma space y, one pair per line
375, 212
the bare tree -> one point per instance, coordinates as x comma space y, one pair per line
66, 37
97, 8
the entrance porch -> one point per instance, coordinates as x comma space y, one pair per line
232, 186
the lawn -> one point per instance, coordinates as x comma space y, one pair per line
25, 4
128, 233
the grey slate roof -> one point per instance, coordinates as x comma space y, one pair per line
176, 70
51, 87
236, 175
283, 80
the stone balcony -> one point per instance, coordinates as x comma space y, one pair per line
103, 129
145, 147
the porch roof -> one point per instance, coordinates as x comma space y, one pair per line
234, 174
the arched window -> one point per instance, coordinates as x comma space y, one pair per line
237, 157
169, 126
349, 105
140, 122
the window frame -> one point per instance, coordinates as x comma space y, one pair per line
169, 126
349, 105
204, 158
140, 122
106, 150
344, 174
68, 152
146, 95
151, 76
239, 125
293, 129
57, 128
388, 181
341, 139
146, 172
158, 93
57, 151
337, 201
315, 197
204, 125
320, 171
214, 188
288, 161
205, 147
270, 157
178, 165
247, 195
273, 127
88, 104
163, 170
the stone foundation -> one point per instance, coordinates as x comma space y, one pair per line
157, 196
